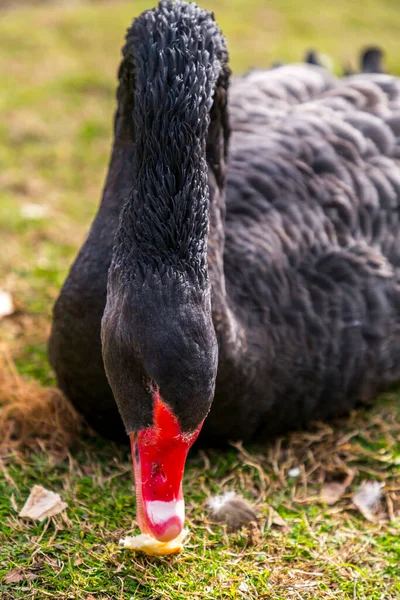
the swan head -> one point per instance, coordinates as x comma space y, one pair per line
161, 359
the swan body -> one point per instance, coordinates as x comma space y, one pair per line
241, 275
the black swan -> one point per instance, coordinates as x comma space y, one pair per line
371, 60
312, 57
241, 275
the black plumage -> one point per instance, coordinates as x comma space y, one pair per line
256, 230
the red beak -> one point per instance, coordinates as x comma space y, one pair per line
158, 455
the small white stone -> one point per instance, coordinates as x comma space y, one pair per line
295, 472
33, 211
6, 304
243, 587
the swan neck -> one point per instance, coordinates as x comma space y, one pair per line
175, 53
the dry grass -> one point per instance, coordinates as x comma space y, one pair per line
33, 416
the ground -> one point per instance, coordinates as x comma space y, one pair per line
57, 64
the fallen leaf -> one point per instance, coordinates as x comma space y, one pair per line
332, 491
16, 575
42, 503
6, 304
13, 576
78, 561
274, 518
254, 536
367, 498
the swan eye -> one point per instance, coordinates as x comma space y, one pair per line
153, 386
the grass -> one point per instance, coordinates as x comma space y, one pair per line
58, 65
316, 552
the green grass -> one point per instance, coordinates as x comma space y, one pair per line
58, 66
324, 552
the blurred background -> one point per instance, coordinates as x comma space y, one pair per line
58, 64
